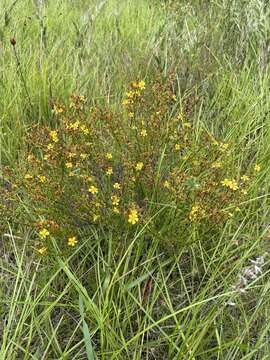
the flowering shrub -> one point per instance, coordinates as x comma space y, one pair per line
143, 164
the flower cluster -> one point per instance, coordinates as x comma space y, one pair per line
115, 169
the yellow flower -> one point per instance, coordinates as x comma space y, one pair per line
115, 200
224, 147
174, 97
245, 178
141, 84
43, 233
46, 157
231, 184
30, 158
139, 166
117, 186
166, 184
131, 114
93, 190
133, 216
126, 102
109, 156
130, 94
42, 250
75, 125
116, 210
257, 168
71, 155
95, 217
143, 133
177, 146
84, 130
194, 212
83, 156
69, 165
50, 146
109, 171
54, 136
42, 178
72, 241
57, 109
187, 125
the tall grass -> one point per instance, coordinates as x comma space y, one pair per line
113, 301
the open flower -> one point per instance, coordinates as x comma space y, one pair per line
133, 217
139, 166
72, 241
231, 184
93, 189
43, 233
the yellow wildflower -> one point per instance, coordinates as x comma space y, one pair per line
42, 250
71, 155
196, 212
245, 178
84, 129
42, 178
141, 84
117, 186
224, 147
166, 184
133, 216
95, 217
231, 184
116, 210
187, 125
109, 156
30, 158
75, 125
115, 200
83, 156
57, 109
43, 233
93, 190
139, 166
72, 241
143, 133
50, 146
54, 136
177, 146
257, 168
109, 171
126, 102
69, 165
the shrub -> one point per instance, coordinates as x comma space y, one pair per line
145, 164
